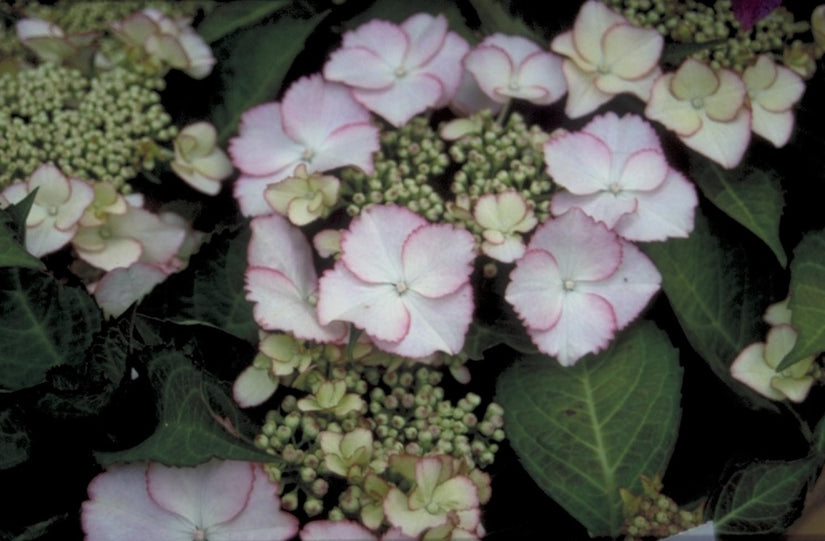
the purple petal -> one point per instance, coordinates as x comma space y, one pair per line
749, 12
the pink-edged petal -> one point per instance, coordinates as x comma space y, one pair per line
410, 95
536, 290
631, 52
630, 288
729, 98
280, 305
542, 70
794, 389
582, 95
563, 45
469, 98
386, 39
16, 193
785, 91
351, 144
446, 67
313, 109
208, 494
276, 244
676, 115
53, 187
399, 514
249, 192
517, 48
81, 196
458, 493
117, 252
345, 530
507, 251
359, 67
694, 79
378, 309
778, 343
200, 60
613, 84
435, 324
775, 127
492, 69
262, 147
122, 287
587, 324
45, 238
253, 387
261, 519
723, 142
437, 259
37, 215
665, 212
583, 248
579, 162
426, 36
160, 240
644, 170
604, 206
120, 508
373, 245
623, 135
750, 368
168, 48
592, 21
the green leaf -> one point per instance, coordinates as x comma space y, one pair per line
718, 294
807, 302
819, 438
256, 62
762, 498
42, 324
508, 331
226, 18
84, 390
197, 419
750, 196
14, 439
495, 18
12, 236
583, 432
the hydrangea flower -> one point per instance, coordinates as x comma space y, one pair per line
57, 209
605, 56
51, 44
706, 109
398, 71
818, 26
615, 171
470, 99
403, 280
503, 218
756, 365
107, 200
772, 92
317, 123
218, 500
120, 288
508, 67
332, 397
348, 455
303, 197
577, 285
347, 530
198, 160
282, 282
173, 42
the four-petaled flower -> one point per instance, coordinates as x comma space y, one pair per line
706, 109
508, 67
615, 171
403, 280
605, 56
398, 71
58, 207
198, 160
772, 92
303, 197
578, 284
218, 501
503, 218
317, 123
51, 44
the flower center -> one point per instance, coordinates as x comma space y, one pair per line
513, 85
52, 210
603, 69
615, 188
569, 284
697, 103
199, 535
105, 233
433, 508
400, 72
307, 155
401, 287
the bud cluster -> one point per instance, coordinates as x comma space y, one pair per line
653, 514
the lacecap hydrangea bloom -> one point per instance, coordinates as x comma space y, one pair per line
773, 90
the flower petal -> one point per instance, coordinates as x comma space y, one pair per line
410, 95
631, 52
117, 252
536, 290
426, 36
750, 368
437, 259
492, 69
579, 162
276, 244
775, 127
249, 191
667, 211
384, 38
253, 387
359, 67
446, 67
351, 144
644, 171
603, 206
542, 70
592, 22
120, 288
783, 93
694, 79
583, 97
45, 238
262, 147
398, 513
345, 530
729, 98
676, 115
723, 142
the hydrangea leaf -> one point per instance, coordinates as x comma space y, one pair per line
807, 302
752, 197
257, 61
84, 390
226, 18
718, 293
14, 439
12, 236
494, 18
42, 324
197, 419
761, 498
483, 336
585, 431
